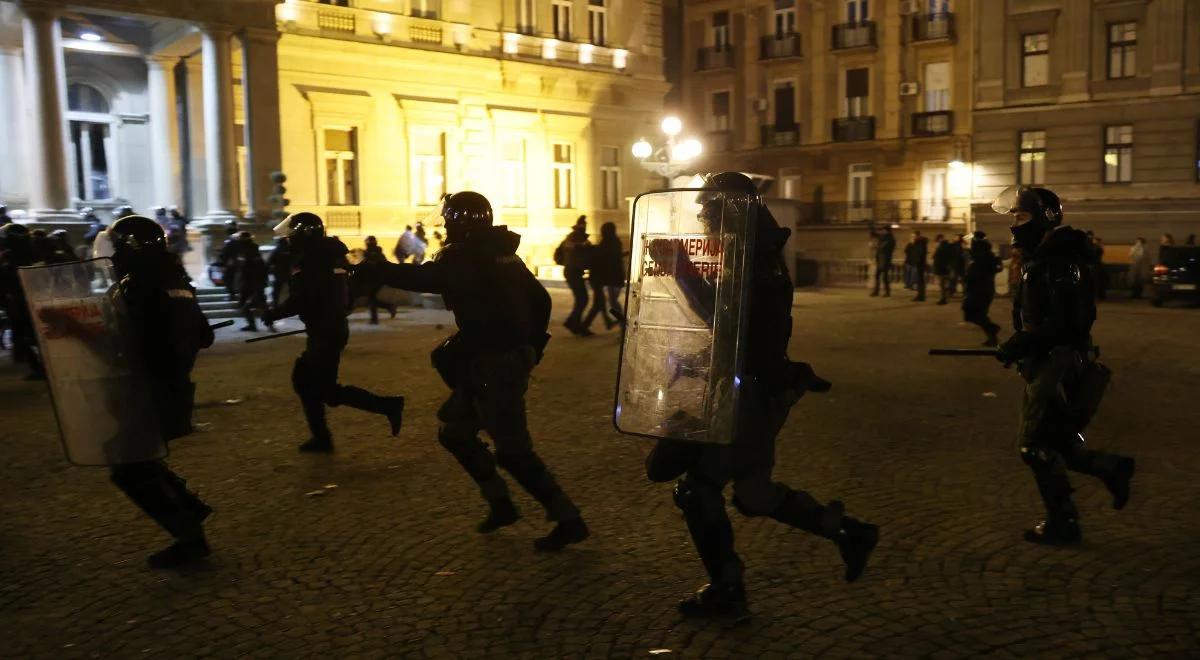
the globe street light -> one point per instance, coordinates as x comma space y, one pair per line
671, 158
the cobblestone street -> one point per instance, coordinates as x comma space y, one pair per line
372, 551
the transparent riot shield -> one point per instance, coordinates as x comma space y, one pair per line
102, 400
682, 348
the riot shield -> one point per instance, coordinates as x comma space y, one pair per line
101, 398
682, 348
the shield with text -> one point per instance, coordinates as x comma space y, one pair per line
682, 349
101, 396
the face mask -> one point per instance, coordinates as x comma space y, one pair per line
1028, 235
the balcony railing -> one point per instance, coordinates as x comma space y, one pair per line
780, 136
336, 20
929, 124
853, 129
714, 57
931, 27
872, 210
779, 45
854, 35
343, 220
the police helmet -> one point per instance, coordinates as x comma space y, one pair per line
302, 227
14, 236
123, 211
136, 234
464, 212
1041, 204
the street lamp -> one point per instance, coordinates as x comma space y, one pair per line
672, 158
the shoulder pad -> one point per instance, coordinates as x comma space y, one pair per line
1064, 272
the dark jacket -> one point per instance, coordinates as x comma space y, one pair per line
943, 258
608, 263
374, 255
169, 330
1054, 304
319, 293
979, 284
916, 253
497, 303
883, 253
576, 252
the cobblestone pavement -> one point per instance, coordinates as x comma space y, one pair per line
387, 563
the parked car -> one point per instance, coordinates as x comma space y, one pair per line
1176, 274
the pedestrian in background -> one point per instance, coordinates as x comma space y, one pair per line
1191, 240
941, 268
1139, 267
979, 287
373, 254
1096, 265
916, 256
883, 261
573, 255
607, 277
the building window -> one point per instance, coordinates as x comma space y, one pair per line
1122, 50
597, 22
425, 8
858, 11
526, 16
858, 93
429, 168
243, 162
334, 3
562, 20
92, 142
785, 106
937, 87
720, 31
1035, 59
718, 118
1118, 154
341, 175
785, 17
564, 176
610, 177
789, 186
862, 192
512, 164
1031, 161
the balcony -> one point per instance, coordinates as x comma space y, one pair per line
931, 27
780, 136
779, 46
872, 210
931, 124
714, 57
853, 129
854, 35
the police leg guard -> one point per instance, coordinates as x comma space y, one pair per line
164, 497
314, 409
475, 458
357, 397
527, 468
1115, 471
800, 510
1061, 526
703, 509
855, 541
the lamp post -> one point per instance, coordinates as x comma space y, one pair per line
672, 158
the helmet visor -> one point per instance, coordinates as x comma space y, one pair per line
282, 229
1008, 201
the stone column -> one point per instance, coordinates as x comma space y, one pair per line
219, 142
164, 147
260, 84
45, 76
13, 187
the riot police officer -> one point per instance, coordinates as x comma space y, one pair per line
16, 250
227, 257
319, 294
169, 330
1053, 312
770, 385
252, 281
502, 313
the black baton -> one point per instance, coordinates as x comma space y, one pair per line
961, 352
222, 324
277, 335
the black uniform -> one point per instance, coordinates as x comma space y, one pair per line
279, 264
771, 385
1053, 312
373, 254
319, 294
15, 252
227, 257
502, 313
979, 288
575, 253
251, 282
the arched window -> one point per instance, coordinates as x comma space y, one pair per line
92, 149
82, 97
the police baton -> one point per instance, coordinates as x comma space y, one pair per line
277, 335
222, 324
963, 352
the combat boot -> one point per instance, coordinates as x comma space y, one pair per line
1118, 480
1059, 533
855, 541
503, 513
180, 553
724, 601
564, 533
395, 413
